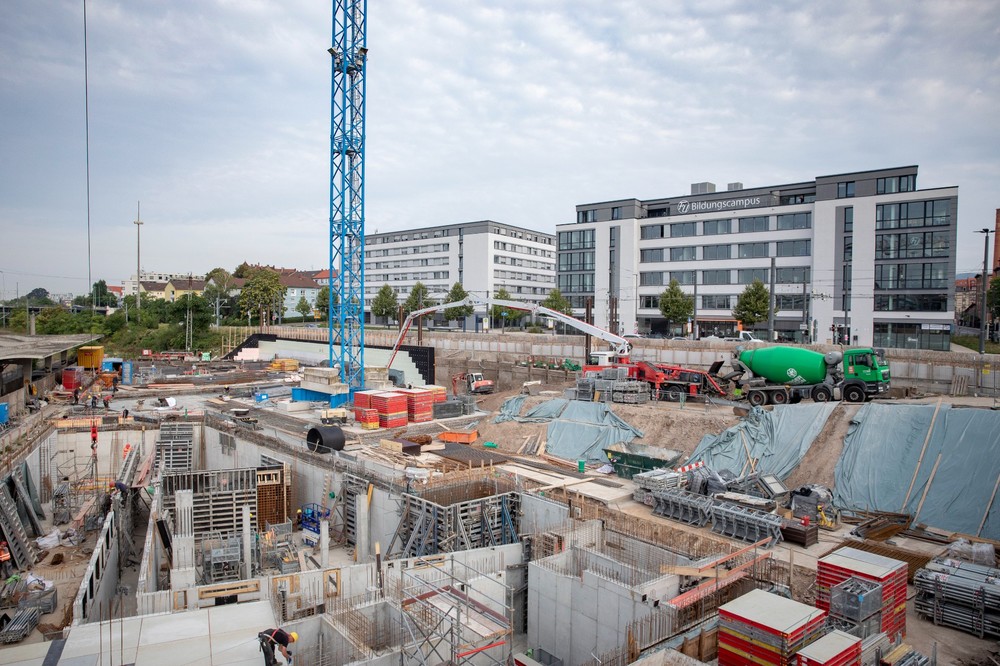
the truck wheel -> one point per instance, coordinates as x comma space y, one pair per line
757, 398
854, 394
795, 399
821, 394
674, 393
779, 397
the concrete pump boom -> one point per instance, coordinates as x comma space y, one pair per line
618, 344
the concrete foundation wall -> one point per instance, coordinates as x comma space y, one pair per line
100, 582
539, 514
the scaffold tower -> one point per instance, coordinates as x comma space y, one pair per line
347, 190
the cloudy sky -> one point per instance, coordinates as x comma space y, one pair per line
215, 115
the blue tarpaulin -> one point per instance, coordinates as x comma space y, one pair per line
540, 413
778, 439
952, 486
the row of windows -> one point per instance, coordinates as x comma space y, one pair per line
911, 276
412, 249
576, 240
782, 302
912, 214
407, 263
896, 184
576, 261
791, 248
521, 235
407, 277
522, 249
784, 275
576, 283
523, 263
911, 303
917, 245
518, 275
744, 225
402, 238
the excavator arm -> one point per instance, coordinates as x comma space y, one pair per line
619, 345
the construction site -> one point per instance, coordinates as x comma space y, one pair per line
555, 517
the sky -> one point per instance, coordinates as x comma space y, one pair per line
215, 115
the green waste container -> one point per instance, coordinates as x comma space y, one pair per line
581, 466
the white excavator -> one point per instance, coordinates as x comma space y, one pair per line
619, 351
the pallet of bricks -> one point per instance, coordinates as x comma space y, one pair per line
419, 405
764, 628
364, 413
960, 594
391, 408
890, 574
837, 648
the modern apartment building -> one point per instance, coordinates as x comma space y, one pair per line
484, 256
864, 257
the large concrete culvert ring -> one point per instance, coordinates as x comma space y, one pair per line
324, 439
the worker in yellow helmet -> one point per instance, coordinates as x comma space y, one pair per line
269, 638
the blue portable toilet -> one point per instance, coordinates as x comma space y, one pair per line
4, 412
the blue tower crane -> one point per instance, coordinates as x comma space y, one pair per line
347, 189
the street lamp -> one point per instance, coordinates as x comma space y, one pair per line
138, 276
986, 278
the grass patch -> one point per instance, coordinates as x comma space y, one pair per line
972, 343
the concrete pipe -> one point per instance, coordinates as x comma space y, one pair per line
324, 439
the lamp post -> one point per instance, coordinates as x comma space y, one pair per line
138, 250
986, 279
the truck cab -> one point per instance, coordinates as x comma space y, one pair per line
866, 374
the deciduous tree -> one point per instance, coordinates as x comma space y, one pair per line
753, 304
675, 306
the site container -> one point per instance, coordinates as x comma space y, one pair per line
90, 358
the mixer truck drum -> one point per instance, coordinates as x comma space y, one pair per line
324, 439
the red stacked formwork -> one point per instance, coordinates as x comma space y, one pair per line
835, 649
391, 408
364, 398
440, 393
846, 562
764, 628
419, 405
71, 378
367, 417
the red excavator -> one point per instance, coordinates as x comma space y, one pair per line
475, 383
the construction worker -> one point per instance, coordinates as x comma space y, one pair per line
269, 638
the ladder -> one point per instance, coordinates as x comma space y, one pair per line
17, 540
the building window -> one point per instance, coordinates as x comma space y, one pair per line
717, 227
586, 216
616, 213
917, 245
683, 277
649, 302
794, 221
652, 279
658, 212
716, 277
572, 240
753, 224
651, 231
849, 219
716, 302
753, 250
789, 302
717, 252
748, 275
913, 336
848, 249
911, 276
912, 214
576, 283
651, 256
791, 275
911, 303
683, 229
574, 261
845, 190
895, 184
793, 248
686, 253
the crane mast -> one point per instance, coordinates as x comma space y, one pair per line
349, 55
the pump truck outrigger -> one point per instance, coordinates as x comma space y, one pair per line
620, 348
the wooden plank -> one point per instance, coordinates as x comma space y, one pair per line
927, 488
920, 459
229, 589
989, 506
690, 571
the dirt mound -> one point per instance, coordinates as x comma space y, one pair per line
819, 463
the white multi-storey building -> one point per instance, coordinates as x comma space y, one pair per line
863, 257
130, 285
484, 256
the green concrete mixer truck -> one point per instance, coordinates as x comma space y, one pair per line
778, 375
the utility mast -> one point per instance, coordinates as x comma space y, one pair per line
347, 190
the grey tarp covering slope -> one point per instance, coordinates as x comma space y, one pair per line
883, 447
584, 429
778, 439
540, 413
